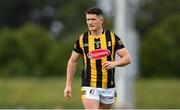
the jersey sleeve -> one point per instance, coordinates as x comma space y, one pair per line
77, 47
118, 43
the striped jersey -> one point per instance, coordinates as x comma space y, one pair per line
95, 51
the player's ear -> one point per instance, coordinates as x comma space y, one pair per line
101, 18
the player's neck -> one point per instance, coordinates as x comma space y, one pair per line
97, 32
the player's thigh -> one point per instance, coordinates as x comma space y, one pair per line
90, 97
90, 103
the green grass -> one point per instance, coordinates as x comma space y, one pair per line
37, 93
48, 93
156, 93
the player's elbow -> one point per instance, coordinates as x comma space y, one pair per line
129, 60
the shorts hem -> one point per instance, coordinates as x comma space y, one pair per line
106, 103
89, 98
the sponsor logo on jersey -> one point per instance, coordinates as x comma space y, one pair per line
98, 54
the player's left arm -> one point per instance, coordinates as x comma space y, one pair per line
124, 59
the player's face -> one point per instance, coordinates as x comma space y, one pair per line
94, 22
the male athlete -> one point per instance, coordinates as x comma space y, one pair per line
97, 47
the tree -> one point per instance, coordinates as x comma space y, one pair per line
152, 12
70, 13
157, 22
160, 49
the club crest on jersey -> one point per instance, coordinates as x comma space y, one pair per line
98, 54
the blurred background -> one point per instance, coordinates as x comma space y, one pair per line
37, 38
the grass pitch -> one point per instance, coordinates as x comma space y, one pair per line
48, 93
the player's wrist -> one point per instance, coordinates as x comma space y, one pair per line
68, 84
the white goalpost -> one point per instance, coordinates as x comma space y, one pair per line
125, 76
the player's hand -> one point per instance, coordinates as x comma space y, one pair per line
109, 65
67, 92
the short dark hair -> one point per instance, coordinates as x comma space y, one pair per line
94, 10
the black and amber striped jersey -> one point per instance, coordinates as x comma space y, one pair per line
95, 51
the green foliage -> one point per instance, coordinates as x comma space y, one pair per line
31, 51
160, 49
15, 13
157, 22
152, 12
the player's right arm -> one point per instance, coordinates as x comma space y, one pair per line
71, 68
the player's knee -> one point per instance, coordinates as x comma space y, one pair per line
90, 104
